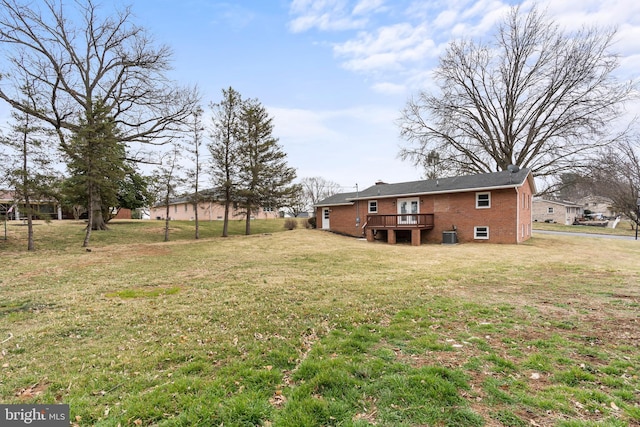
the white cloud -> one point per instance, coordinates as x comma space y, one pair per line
366, 6
325, 15
396, 45
388, 48
389, 88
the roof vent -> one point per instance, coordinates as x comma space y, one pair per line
380, 182
513, 168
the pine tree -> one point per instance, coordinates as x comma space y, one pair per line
96, 158
224, 149
265, 178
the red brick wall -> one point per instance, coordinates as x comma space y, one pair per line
525, 212
508, 218
342, 219
459, 210
123, 213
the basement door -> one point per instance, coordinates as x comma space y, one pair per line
325, 219
407, 211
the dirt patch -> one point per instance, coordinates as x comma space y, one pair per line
32, 391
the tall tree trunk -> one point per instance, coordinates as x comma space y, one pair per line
166, 220
197, 196
97, 222
87, 235
247, 228
26, 189
225, 225
195, 206
27, 204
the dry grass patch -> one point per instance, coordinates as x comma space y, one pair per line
305, 327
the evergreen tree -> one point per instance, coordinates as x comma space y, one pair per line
96, 157
224, 149
265, 178
133, 191
78, 56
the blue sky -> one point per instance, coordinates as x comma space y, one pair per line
335, 74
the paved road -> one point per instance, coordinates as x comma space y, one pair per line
570, 233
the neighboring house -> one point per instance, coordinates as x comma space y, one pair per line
492, 207
15, 209
182, 208
600, 207
556, 211
121, 213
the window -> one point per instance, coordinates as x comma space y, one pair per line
483, 200
550, 210
267, 209
186, 207
325, 214
481, 233
373, 206
175, 208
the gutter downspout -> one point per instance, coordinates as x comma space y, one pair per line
518, 225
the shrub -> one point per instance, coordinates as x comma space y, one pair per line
311, 222
290, 223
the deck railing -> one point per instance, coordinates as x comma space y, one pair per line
400, 221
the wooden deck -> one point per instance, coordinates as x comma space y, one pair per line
400, 222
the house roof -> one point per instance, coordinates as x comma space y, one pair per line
479, 182
6, 195
338, 199
557, 202
207, 195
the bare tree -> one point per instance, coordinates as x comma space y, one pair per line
30, 175
194, 174
94, 60
616, 175
167, 181
315, 189
297, 203
538, 97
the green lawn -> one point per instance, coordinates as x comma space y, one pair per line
308, 328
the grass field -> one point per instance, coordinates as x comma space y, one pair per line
308, 328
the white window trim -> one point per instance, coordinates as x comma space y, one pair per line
550, 210
475, 233
369, 206
487, 193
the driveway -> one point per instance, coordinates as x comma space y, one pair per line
567, 233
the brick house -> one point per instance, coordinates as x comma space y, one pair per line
182, 209
556, 211
492, 207
598, 206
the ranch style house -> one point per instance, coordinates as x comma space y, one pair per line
209, 209
491, 207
